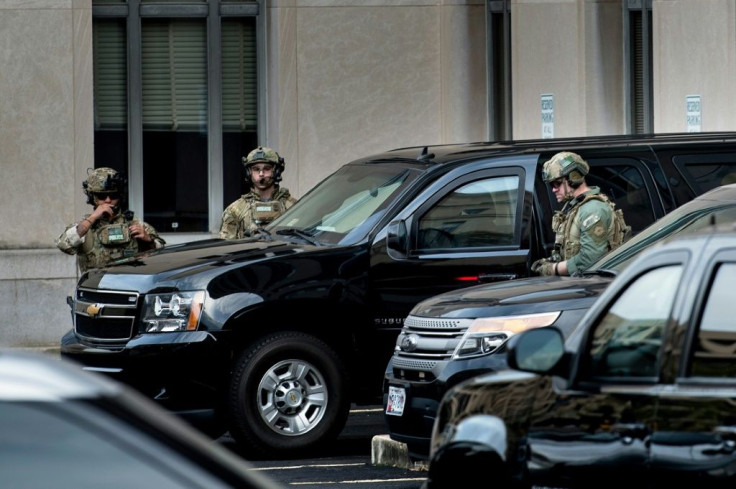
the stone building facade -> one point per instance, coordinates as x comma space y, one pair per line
340, 79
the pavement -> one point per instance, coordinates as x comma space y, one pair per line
384, 450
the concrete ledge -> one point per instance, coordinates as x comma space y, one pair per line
391, 453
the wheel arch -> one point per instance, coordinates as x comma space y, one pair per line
322, 319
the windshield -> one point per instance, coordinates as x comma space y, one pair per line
687, 218
344, 207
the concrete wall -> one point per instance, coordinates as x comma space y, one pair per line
694, 53
354, 77
572, 50
45, 147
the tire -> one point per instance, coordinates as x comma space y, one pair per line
288, 394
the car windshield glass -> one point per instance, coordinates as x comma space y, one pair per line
688, 218
344, 207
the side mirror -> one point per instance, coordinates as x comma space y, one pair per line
397, 240
537, 350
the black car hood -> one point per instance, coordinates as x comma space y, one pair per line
522, 296
191, 262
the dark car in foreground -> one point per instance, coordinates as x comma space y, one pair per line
457, 335
64, 428
642, 394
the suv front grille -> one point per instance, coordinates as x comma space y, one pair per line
425, 343
105, 316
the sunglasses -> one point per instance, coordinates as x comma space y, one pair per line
104, 195
261, 168
556, 183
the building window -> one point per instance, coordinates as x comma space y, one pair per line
176, 104
498, 39
638, 38
110, 93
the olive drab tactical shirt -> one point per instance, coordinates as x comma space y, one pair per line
583, 229
249, 212
106, 241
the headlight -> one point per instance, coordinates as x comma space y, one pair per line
486, 334
175, 311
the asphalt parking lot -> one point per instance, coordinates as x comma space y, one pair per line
363, 454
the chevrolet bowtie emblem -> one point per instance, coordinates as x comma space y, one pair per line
93, 310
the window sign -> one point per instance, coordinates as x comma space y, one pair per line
693, 114
548, 116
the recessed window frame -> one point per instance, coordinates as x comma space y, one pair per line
638, 67
498, 66
213, 12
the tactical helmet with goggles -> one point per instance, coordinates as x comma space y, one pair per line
103, 181
263, 154
565, 165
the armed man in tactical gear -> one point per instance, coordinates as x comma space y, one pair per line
265, 201
107, 233
587, 227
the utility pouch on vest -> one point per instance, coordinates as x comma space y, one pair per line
265, 212
558, 226
115, 235
558, 222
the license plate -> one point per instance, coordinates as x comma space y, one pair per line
396, 401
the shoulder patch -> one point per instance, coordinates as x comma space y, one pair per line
590, 221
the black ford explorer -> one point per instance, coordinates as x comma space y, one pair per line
491, 314
276, 335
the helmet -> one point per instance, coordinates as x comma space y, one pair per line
565, 164
103, 180
263, 154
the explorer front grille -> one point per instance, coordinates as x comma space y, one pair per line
425, 345
105, 316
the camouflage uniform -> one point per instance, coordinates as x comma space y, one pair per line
249, 212
105, 241
587, 227
110, 238
583, 229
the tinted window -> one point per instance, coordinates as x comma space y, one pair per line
707, 171
45, 445
627, 339
715, 349
478, 214
625, 186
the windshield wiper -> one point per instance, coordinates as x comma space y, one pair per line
301, 234
262, 233
602, 272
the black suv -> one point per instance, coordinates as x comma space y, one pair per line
278, 334
423, 369
641, 394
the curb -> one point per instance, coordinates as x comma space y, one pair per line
391, 453
46, 350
